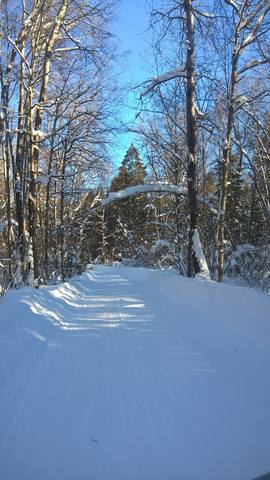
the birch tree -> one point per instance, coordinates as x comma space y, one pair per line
183, 14
50, 48
249, 21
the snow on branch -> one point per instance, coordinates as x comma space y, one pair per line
252, 64
178, 72
262, 10
233, 5
149, 188
138, 189
203, 14
239, 101
14, 44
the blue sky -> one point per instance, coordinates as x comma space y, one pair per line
130, 29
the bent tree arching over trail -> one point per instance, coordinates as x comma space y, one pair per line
197, 251
202, 121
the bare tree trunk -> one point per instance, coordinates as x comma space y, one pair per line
225, 166
193, 264
47, 207
103, 238
7, 152
6, 159
35, 135
19, 165
46, 223
62, 228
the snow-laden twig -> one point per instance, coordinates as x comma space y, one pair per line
176, 73
39, 134
86, 198
253, 64
13, 43
262, 10
233, 5
204, 14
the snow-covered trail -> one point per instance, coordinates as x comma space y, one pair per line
132, 374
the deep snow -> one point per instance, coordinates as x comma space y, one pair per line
134, 374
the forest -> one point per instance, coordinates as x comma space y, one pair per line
193, 187
134, 239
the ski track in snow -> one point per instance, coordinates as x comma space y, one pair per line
134, 374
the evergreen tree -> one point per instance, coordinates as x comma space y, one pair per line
126, 220
131, 172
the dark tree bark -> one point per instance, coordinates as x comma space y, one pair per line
193, 264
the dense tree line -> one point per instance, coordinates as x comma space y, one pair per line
203, 125
55, 121
152, 229
204, 119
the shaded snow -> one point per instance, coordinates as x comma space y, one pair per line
127, 373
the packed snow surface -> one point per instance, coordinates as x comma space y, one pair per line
134, 374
